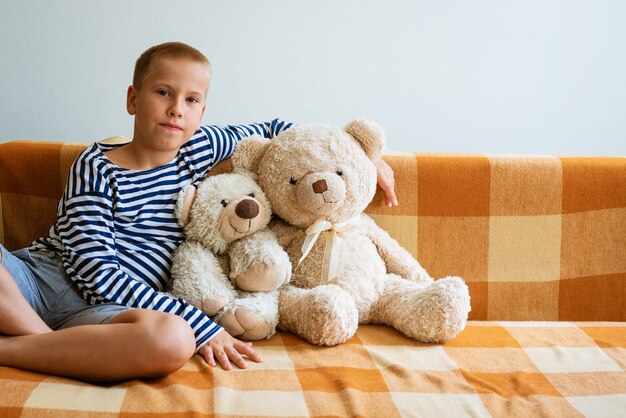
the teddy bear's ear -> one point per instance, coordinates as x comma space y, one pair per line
248, 154
183, 204
369, 135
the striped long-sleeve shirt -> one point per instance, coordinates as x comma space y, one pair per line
116, 229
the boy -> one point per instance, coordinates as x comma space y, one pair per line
97, 278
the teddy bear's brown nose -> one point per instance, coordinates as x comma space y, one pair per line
320, 186
247, 209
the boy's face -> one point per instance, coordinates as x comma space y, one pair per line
169, 105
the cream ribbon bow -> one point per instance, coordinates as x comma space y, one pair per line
332, 248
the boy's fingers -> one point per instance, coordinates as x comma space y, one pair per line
251, 353
231, 350
236, 358
208, 356
210, 360
222, 358
390, 197
386, 181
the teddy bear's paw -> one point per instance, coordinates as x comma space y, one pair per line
212, 306
246, 324
433, 314
324, 315
261, 277
442, 309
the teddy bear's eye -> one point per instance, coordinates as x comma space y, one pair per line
339, 172
224, 203
251, 194
293, 181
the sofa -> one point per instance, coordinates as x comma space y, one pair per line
540, 241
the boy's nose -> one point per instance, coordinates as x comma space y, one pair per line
175, 110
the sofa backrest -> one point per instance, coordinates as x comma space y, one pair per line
535, 238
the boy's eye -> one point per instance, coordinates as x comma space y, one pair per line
162, 92
193, 100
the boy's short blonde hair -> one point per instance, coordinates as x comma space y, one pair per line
166, 50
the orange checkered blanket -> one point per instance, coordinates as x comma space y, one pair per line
494, 369
539, 240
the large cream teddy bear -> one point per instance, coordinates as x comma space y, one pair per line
347, 271
230, 265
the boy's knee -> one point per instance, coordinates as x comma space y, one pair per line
175, 342
168, 340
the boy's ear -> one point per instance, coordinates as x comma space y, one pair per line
248, 154
183, 204
369, 135
131, 95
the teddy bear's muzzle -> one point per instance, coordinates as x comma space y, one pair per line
240, 218
321, 192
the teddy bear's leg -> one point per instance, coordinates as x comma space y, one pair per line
252, 317
323, 315
433, 314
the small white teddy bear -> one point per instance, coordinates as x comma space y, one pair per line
230, 264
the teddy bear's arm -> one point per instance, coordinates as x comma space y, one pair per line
258, 262
397, 259
198, 278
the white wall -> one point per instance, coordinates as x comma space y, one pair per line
499, 76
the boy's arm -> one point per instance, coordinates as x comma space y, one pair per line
386, 181
220, 140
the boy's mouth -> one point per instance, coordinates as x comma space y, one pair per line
171, 126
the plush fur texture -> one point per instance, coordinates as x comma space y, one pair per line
321, 178
230, 264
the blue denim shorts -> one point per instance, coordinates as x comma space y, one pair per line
52, 294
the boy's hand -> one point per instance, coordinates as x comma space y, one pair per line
223, 348
386, 182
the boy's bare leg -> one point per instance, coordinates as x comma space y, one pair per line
137, 344
17, 317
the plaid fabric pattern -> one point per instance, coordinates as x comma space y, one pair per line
536, 239
490, 370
